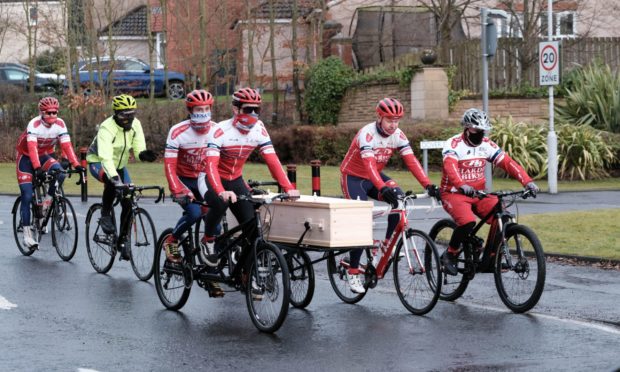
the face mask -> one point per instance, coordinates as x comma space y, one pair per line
124, 121
474, 138
200, 117
246, 121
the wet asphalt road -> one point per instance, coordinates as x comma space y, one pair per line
63, 316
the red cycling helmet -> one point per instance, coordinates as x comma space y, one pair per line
48, 103
390, 107
246, 95
198, 97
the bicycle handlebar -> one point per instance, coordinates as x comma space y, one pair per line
52, 173
130, 188
525, 193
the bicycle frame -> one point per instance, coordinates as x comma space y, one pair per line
404, 209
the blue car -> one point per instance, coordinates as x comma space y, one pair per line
130, 75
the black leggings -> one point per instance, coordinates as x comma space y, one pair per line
242, 209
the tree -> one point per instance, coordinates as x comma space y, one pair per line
448, 14
272, 49
298, 116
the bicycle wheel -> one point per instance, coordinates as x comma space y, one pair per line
520, 269
142, 240
337, 272
172, 287
417, 274
18, 227
302, 277
64, 228
268, 290
99, 245
452, 286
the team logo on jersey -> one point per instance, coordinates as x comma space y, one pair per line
402, 136
474, 163
218, 133
368, 137
177, 131
455, 142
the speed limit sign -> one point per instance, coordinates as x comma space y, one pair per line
549, 63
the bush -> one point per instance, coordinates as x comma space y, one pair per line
583, 152
594, 98
326, 83
526, 144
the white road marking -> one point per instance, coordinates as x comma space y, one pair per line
578, 322
6, 304
86, 370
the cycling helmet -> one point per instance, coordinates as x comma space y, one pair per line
477, 119
124, 102
198, 97
48, 103
246, 95
390, 107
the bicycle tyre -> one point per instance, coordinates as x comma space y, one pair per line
418, 291
515, 286
340, 283
99, 246
143, 241
453, 286
272, 286
170, 281
302, 277
65, 230
17, 227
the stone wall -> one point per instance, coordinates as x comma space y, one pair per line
533, 110
358, 104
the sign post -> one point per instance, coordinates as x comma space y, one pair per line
549, 74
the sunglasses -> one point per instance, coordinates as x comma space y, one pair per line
51, 112
250, 109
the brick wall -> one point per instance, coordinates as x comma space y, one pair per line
358, 104
521, 109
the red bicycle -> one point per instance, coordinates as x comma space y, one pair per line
417, 271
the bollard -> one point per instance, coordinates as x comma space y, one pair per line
84, 186
291, 173
316, 177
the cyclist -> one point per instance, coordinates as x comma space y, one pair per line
361, 170
108, 155
35, 155
464, 159
230, 143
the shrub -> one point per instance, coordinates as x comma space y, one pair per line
326, 83
526, 144
583, 152
594, 98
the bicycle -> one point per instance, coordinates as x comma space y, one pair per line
417, 271
509, 253
61, 213
246, 262
140, 239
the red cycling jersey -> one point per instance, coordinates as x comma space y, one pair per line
185, 153
39, 139
370, 151
229, 148
464, 164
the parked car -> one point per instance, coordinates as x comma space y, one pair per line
18, 75
130, 75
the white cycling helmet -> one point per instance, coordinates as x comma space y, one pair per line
477, 119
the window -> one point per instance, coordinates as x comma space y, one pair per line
33, 16
130, 65
563, 24
509, 27
16, 75
160, 49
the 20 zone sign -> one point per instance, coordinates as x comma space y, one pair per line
549, 66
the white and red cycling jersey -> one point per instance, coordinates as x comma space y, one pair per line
465, 164
229, 149
185, 153
370, 151
41, 139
